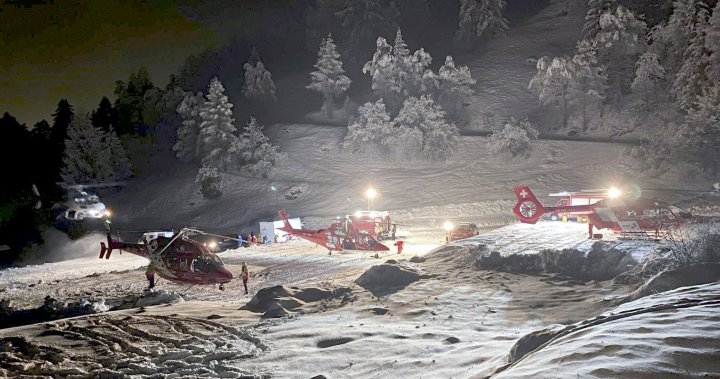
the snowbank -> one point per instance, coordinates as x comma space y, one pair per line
671, 334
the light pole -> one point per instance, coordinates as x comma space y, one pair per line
370, 194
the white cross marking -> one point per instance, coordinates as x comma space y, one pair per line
523, 193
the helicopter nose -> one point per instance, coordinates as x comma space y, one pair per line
224, 275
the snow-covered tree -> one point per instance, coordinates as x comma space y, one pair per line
217, 132
595, 9
480, 17
691, 79
210, 182
455, 86
554, 83
712, 46
671, 39
589, 86
620, 40
187, 134
256, 154
329, 79
93, 156
382, 71
402, 62
121, 165
514, 139
648, 75
439, 138
371, 127
700, 136
362, 20
258, 85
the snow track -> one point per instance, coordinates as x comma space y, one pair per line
116, 345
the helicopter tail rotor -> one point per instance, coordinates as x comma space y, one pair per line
527, 209
108, 248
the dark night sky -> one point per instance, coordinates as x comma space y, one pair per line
77, 49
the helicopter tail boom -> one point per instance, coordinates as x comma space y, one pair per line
284, 218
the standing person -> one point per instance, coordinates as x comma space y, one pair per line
399, 245
260, 238
245, 276
253, 238
394, 230
240, 240
150, 275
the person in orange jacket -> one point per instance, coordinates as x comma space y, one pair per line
399, 245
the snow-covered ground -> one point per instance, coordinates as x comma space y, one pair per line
450, 320
453, 321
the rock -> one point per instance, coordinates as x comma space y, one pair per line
275, 310
386, 278
452, 340
417, 259
264, 298
379, 311
699, 273
532, 341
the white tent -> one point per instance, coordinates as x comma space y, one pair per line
271, 229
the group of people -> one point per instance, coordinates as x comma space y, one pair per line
252, 239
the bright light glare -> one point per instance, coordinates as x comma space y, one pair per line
448, 226
614, 193
212, 245
370, 193
108, 213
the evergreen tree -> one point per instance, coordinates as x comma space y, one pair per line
402, 65
699, 140
130, 102
671, 39
590, 80
121, 166
20, 221
62, 118
595, 9
691, 78
648, 75
411, 74
186, 147
514, 139
381, 70
480, 17
554, 83
105, 116
620, 40
217, 132
329, 79
44, 166
41, 131
439, 138
90, 157
258, 85
455, 84
371, 127
362, 20
15, 145
712, 46
257, 155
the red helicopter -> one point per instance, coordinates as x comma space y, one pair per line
177, 258
340, 235
626, 216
